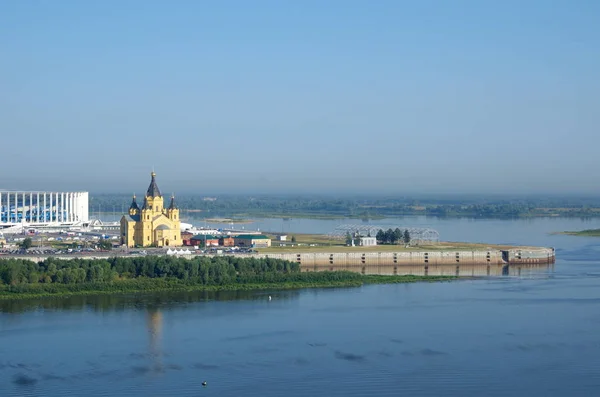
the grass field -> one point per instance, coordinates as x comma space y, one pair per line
324, 243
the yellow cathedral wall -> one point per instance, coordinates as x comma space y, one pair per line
145, 234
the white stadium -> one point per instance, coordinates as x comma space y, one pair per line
43, 208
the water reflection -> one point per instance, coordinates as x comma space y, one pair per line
153, 301
525, 271
150, 301
154, 324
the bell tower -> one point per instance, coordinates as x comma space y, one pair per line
154, 200
173, 211
134, 210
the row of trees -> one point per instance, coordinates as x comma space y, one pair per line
102, 244
393, 236
383, 237
202, 270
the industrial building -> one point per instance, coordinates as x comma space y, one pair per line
368, 241
43, 208
210, 240
205, 240
252, 240
242, 240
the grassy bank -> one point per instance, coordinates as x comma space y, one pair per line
297, 281
319, 243
587, 233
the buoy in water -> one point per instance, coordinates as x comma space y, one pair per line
269, 297
204, 383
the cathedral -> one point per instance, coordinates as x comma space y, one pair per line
153, 225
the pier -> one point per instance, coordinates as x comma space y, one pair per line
436, 263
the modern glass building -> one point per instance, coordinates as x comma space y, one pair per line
43, 207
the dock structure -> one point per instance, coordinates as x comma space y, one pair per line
475, 263
445, 262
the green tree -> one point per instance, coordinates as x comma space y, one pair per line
27, 243
398, 234
390, 236
406, 237
34, 277
348, 239
293, 239
380, 236
105, 244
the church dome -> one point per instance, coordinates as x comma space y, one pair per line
153, 190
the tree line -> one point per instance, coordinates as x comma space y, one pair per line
383, 237
103, 244
200, 270
355, 206
393, 236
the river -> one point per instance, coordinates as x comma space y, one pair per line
510, 336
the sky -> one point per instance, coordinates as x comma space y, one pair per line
324, 96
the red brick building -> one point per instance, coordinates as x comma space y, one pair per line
226, 241
205, 240
185, 237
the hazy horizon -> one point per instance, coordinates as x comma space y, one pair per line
268, 97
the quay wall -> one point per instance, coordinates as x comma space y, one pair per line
446, 257
439, 263
530, 256
514, 262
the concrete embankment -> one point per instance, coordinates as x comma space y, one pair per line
455, 263
442, 262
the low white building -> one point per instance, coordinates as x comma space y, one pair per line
368, 241
202, 231
283, 238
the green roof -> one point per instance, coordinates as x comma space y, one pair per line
252, 236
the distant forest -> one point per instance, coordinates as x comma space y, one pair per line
239, 206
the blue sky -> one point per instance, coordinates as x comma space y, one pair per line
304, 96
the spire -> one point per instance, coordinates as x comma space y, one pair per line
153, 190
172, 205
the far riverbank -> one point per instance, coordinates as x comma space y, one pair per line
584, 233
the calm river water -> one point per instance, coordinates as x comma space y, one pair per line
531, 336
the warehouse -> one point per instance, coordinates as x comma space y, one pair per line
252, 240
205, 240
